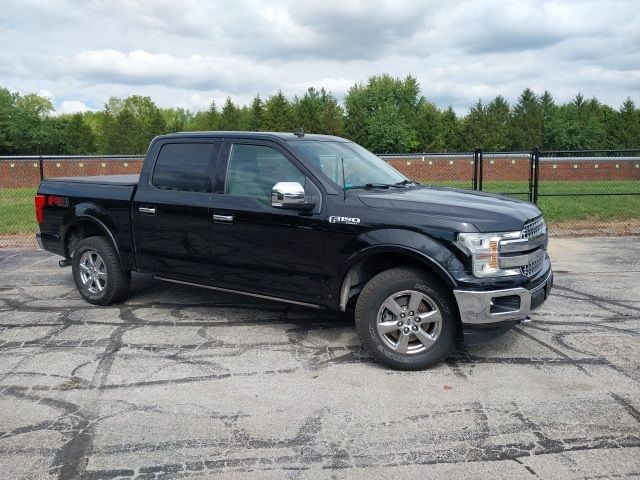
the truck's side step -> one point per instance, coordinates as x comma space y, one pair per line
228, 290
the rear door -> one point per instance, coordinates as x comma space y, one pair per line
256, 247
171, 210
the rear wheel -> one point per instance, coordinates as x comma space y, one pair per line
406, 319
97, 272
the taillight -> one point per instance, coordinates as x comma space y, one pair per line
40, 201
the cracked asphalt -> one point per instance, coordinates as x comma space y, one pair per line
180, 382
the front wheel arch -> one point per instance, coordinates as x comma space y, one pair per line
374, 260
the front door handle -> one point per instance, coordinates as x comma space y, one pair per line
223, 218
147, 210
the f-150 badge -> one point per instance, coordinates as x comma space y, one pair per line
347, 220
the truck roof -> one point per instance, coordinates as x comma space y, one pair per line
282, 136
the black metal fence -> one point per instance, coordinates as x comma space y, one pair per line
580, 192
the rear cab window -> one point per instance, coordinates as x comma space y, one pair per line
184, 166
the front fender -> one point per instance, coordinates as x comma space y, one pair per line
428, 251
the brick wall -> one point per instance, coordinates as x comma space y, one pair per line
16, 173
438, 168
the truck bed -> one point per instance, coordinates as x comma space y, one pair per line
127, 180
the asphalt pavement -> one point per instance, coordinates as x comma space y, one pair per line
181, 382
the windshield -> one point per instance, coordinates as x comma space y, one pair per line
361, 167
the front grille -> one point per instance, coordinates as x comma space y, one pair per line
533, 228
532, 268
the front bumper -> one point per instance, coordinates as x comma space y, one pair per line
483, 308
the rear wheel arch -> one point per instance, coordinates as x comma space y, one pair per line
83, 227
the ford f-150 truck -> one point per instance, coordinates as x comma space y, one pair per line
311, 220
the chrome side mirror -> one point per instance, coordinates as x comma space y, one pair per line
290, 195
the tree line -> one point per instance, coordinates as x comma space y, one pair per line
385, 115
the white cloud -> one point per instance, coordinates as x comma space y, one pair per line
71, 106
189, 53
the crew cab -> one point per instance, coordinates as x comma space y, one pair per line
312, 220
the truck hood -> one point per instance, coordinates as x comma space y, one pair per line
487, 212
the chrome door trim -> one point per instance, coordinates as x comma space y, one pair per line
148, 210
229, 290
223, 218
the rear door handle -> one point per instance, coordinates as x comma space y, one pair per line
147, 210
223, 218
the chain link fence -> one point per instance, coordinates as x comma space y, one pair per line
590, 192
19, 180
580, 192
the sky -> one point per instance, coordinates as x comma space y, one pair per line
185, 53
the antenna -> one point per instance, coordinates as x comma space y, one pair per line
299, 132
344, 185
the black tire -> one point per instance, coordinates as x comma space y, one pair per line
108, 282
435, 302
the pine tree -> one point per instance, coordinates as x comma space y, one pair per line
308, 111
427, 124
475, 127
498, 117
628, 125
256, 120
230, 116
449, 137
78, 137
126, 134
526, 122
331, 116
279, 115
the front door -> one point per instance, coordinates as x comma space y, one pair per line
171, 212
256, 247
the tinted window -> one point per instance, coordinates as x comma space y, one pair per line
183, 166
253, 170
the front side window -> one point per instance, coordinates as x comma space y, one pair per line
183, 166
253, 170
348, 160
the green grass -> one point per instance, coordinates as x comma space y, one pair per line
584, 207
17, 210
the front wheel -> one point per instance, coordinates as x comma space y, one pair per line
97, 272
406, 319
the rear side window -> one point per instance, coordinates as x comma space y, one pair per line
184, 166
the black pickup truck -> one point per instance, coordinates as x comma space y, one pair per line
312, 220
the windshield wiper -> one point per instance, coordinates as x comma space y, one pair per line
370, 186
405, 182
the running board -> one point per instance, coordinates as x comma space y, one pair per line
228, 290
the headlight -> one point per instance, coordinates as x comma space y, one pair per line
484, 249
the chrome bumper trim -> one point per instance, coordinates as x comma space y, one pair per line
475, 306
